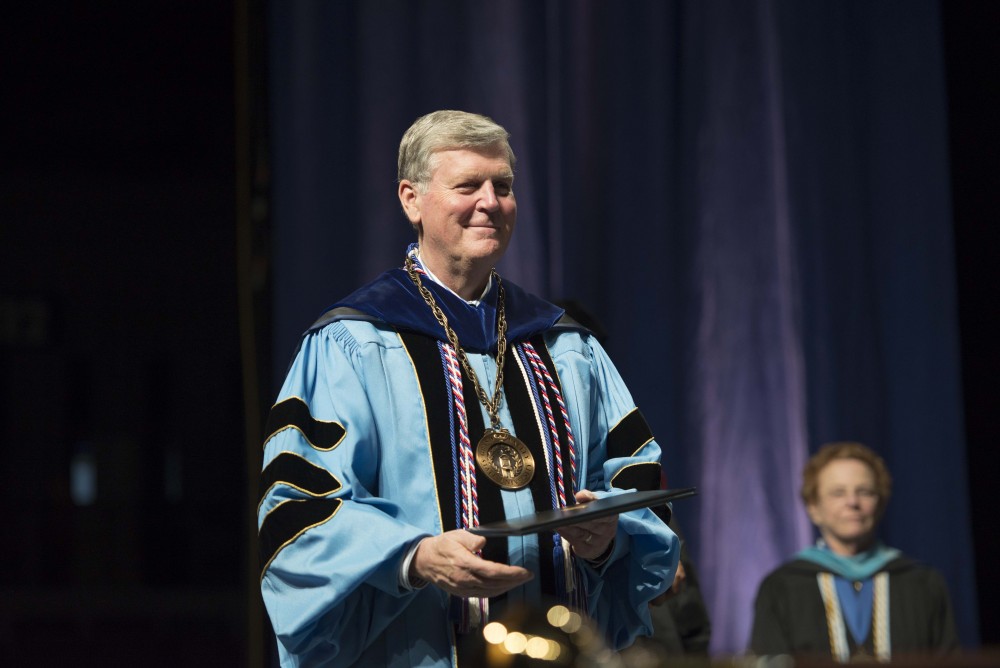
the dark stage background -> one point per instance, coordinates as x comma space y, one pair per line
792, 203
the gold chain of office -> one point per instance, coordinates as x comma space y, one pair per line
492, 405
504, 458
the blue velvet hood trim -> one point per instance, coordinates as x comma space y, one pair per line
859, 567
394, 299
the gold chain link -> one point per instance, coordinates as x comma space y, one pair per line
492, 406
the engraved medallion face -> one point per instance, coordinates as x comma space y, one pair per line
504, 459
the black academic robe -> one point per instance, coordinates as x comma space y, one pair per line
790, 617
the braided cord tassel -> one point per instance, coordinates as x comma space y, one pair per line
554, 387
455, 451
466, 470
472, 611
568, 576
880, 619
540, 376
834, 618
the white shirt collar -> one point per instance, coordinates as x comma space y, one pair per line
471, 302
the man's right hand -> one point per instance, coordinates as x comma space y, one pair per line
449, 561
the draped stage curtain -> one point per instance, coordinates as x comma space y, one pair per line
751, 197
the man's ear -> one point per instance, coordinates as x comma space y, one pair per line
409, 198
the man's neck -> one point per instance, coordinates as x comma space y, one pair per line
467, 283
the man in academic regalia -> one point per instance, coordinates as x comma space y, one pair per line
436, 399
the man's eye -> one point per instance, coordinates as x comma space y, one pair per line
501, 189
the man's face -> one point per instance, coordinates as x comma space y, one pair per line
468, 212
846, 504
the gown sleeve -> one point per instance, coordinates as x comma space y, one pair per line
942, 633
621, 455
768, 635
331, 548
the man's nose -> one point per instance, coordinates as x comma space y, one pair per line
488, 197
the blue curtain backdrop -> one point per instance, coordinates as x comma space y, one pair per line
752, 197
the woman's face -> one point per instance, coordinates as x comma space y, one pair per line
846, 505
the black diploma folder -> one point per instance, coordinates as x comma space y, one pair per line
548, 520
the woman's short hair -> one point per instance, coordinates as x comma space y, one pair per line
846, 450
447, 130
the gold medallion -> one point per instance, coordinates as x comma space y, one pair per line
504, 459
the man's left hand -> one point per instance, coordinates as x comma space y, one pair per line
590, 539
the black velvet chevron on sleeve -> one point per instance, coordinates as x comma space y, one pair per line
291, 518
629, 435
295, 471
288, 521
625, 439
642, 477
293, 412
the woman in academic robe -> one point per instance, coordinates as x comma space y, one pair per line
851, 597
